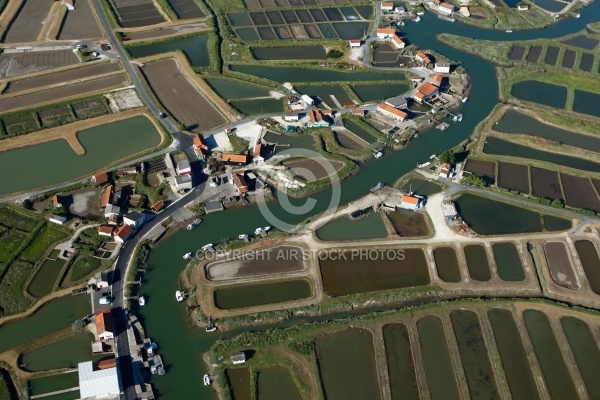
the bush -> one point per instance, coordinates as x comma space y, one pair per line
306, 347
334, 53
447, 157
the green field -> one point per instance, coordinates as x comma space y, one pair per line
83, 266
41, 243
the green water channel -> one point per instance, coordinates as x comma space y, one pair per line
591, 263
239, 383
446, 264
513, 355
277, 383
261, 293
230, 89
474, 355
586, 353
53, 316
554, 369
55, 383
65, 353
43, 282
477, 262
369, 227
439, 370
74, 395
133, 135
347, 365
401, 368
359, 131
194, 47
259, 106
370, 93
289, 53
508, 262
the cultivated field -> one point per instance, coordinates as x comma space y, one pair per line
61, 92
163, 32
180, 97
80, 23
27, 24
186, 9
40, 81
15, 64
136, 13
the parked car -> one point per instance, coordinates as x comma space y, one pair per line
105, 300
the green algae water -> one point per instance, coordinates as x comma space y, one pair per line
261, 293
401, 368
44, 280
369, 227
65, 353
277, 383
194, 47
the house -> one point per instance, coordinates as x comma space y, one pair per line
425, 92
416, 79
391, 112
101, 280
445, 170
422, 57
317, 119
106, 230
159, 205
464, 11
183, 182
258, 151
98, 383
523, 7
122, 233
111, 209
442, 68
200, 146
239, 180
436, 80
126, 171
104, 325
398, 102
57, 219
238, 358
100, 178
113, 219
358, 112
397, 42
234, 159
107, 364
308, 100
355, 43
183, 168
385, 33
399, 9
107, 196
56, 201
387, 6
446, 8
291, 116
410, 202
134, 219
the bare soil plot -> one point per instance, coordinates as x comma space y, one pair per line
80, 23
318, 15
534, 53
57, 93
259, 18
138, 13
186, 9
513, 177
552, 55
560, 266
20, 124
310, 2
39, 81
266, 33
90, 108
268, 3
289, 16
296, 3
517, 52
333, 14
313, 170
180, 97
304, 16
409, 223
349, 140
299, 32
55, 116
275, 260
545, 183
483, 169
252, 4
313, 31
579, 192
15, 64
282, 32
364, 11
275, 18
27, 24
282, 3
569, 59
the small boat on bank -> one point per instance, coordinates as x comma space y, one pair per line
142, 301
377, 187
509, 31
187, 256
417, 19
208, 247
206, 379
210, 326
378, 154
464, 99
243, 237
258, 231
180, 296
194, 224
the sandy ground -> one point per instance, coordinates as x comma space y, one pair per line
251, 131
15, 64
85, 202
69, 132
125, 99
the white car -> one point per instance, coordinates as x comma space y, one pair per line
104, 300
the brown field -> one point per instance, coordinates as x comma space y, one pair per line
545, 183
275, 260
313, 169
349, 140
186, 9
282, 32
80, 24
15, 64
299, 32
409, 223
483, 169
579, 192
180, 97
62, 92
513, 177
164, 32
313, 31
559, 264
136, 13
27, 24
252, 4
62, 76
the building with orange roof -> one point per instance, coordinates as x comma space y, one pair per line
106, 230
104, 325
425, 92
100, 178
107, 196
56, 201
420, 56
317, 119
397, 42
387, 6
445, 170
239, 180
122, 233
355, 43
385, 33
234, 159
410, 202
358, 112
392, 112
200, 146
446, 8
106, 364
437, 80
159, 205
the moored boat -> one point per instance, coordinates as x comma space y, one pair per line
194, 224
142, 301
206, 379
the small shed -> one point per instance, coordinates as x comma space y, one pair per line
57, 219
239, 358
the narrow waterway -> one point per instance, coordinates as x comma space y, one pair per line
166, 321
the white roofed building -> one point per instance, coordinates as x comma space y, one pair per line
98, 384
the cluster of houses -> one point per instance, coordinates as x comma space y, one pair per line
392, 35
443, 7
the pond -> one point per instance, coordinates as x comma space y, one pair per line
369, 269
65, 353
446, 264
541, 93
559, 263
553, 224
371, 93
230, 89
504, 148
421, 187
133, 135
474, 355
591, 263
513, 355
516, 122
256, 107
239, 19
322, 94
555, 371
551, 5
277, 383
400, 363
194, 47
55, 383
545, 183
351, 30
285, 142
43, 282
436, 359
289, 53
248, 34
586, 103
508, 262
284, 74
239, 383
408, 223
347, 366
259, 294
358, 130
582, 41
483, 169
477, 262
369, 227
